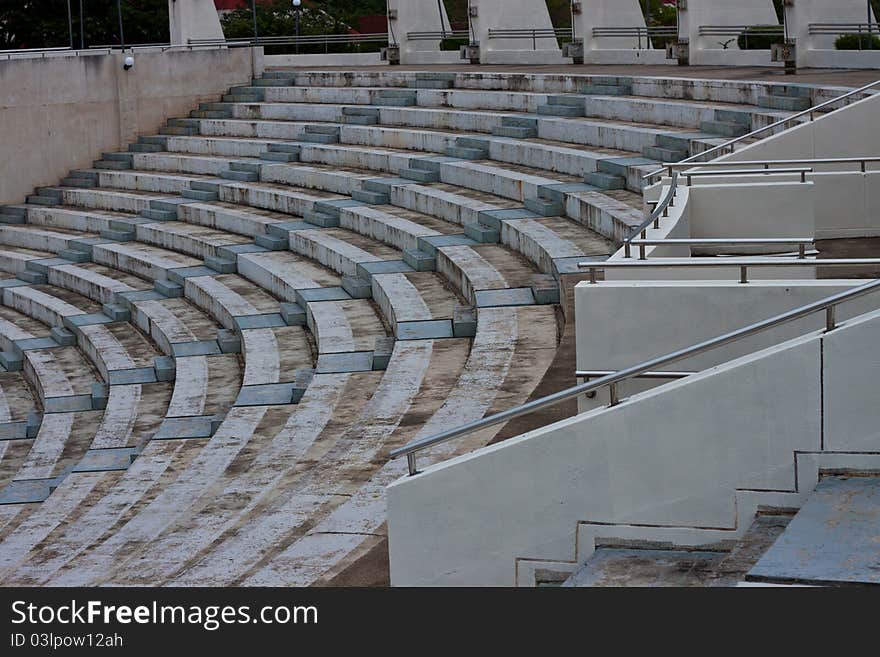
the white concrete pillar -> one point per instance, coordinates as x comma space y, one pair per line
512, 15
801, 13
193, 19
697, 13
609, 13
409, 16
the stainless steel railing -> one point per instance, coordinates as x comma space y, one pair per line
801, 242
533, 34
613, 380
716, 262
729, 145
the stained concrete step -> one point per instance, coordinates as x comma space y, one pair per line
664, 154
515, 132
604, 180
724, 128
787, 103
831, 541
561, 110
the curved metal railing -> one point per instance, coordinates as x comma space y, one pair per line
729, 145
613, 380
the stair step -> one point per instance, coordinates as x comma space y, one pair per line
272, 242
567, 101
219, 107
360, 119
177, 131
159, 215
211, 114
112, 165
734, 116
724, 128
253, 167
272, 82
561, 110
323, 129
120, 157
786, 103
544, 207
396, 98
790, 90
321, 219
154, 139
285, 148
269, 156
371, 198
36, 199
515, 132
145, 148
420, 175
591, 89
520, 122
32, 277
183, 123
317, 138
467, 153
604, 180
199, 195
663, 154
201, 185
78, 182
75, 256
431, 84
241, 98
240, 176
675, 142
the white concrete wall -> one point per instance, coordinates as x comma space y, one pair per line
801, 13
417, 16
331, 59
60, 113
609, 13
724, 12
513, 14
672, 457
193, 19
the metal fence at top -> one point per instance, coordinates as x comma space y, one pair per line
646, 33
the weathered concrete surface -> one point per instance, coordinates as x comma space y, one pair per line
833, 540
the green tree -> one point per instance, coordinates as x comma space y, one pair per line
43, 23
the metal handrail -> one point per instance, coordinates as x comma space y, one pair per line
592, 374
800, 242
668, 30
863, 161
760, 131
304, 39
725, 30
803, 171
612, 381
843, 28
438, 36
547, 32
743, 264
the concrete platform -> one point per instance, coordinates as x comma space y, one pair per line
832, 540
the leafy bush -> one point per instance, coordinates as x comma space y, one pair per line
756, 38
857, 42
453, 44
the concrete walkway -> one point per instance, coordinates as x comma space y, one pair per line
836, 77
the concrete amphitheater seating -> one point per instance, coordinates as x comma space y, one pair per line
212, 341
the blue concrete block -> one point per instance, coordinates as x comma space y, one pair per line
464, 322
359, 361
272, 243
366, 270
318, 294
180, 275
419, 260
283, 229
132, 376
228, 341
357, 288
482, 234
430, 245
293, 314
114, 459
165, 368
100, 395
221, 265
117, 313
521, 296
185, 428
270, 320
195, 348
68, 404
424, 330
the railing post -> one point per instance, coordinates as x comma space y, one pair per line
744, 274
411, 464
627, 250
802, 251
830, 318
592, 275
613, 394
642, 252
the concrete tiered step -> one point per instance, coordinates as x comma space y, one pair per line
790, 98
607, 86
728, 123
563, 106
517, 127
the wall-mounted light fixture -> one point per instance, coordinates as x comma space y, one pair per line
128, 63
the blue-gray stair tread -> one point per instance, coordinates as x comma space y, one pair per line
832, 540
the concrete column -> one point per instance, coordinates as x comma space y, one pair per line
193, 19
417, 16
609, 13
801, 13
511, 15
696, 13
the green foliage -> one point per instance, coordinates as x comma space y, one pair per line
857, 42
43, 23
752, 39
453, 44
